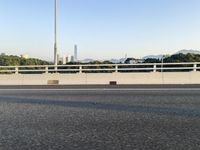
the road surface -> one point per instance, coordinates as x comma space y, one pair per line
99, 118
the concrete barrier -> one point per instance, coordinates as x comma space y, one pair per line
102, 78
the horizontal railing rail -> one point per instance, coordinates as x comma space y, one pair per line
102, 68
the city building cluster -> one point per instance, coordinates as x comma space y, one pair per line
67, 58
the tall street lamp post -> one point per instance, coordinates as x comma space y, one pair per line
55, 35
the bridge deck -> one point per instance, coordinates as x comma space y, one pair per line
100, 118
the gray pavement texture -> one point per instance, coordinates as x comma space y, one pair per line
100, 119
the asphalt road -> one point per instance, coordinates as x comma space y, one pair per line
99, 118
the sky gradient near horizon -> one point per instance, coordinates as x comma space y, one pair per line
102, 29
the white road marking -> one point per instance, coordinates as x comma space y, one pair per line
109, 89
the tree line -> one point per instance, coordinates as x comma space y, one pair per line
11, 60
176, 58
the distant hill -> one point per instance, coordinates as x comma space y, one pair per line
87, 60
184, 51
153, 57
176, 58
116, 61
188, 51
180, 57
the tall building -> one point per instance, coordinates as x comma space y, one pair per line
69, 58
25, 56
64, 61
58, 58
75, 53
72, 59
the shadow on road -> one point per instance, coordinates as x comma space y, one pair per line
104, 106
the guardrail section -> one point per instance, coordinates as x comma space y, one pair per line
102, 68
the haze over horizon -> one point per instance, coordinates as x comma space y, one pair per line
101, 29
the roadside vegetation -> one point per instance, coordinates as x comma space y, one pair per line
176, 58
10, 60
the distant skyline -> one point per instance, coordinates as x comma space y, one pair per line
102, 29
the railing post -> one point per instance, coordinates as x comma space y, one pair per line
46, 69
16, 70
116, 68
195, 67
80, 69
56, 69
154, 68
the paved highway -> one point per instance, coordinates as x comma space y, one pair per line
99, 118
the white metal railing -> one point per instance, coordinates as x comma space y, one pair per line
99, 68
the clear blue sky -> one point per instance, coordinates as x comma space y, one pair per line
101, 28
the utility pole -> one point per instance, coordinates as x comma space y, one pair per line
55, 35
162, 65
